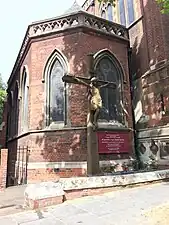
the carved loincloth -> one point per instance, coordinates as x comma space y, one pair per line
96, 100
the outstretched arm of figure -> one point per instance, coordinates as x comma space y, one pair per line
82, 82
104, 85
108, 84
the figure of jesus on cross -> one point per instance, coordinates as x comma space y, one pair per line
95, 101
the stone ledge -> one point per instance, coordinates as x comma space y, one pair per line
41, 203
44, 194
76, 183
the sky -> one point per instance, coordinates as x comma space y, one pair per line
15, 16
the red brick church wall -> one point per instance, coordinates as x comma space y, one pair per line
150, 71
150, 48
3, 168
67, 144
76, 54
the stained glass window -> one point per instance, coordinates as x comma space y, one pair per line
107, 71
25, 93
9, 119
103, 14
122, 12
110, 12
56, 92
16, 109
130, 11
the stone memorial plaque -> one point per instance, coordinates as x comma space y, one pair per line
113, 142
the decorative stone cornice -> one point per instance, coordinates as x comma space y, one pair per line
80, 19
73, 20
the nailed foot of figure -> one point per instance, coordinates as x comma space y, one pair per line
95, 126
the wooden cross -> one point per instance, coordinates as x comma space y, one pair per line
92, 145
68, 78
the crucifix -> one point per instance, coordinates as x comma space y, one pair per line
94, 85
95, 104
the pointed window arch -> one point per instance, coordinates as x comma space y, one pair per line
110, 12
108, 68
25, 99
16, 108
9, 117
103, 14
56, 90
130, 7
126, 12
122, 12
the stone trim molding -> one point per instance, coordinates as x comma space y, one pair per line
159, 132
39, 195
47, 129
77, 183
63, 165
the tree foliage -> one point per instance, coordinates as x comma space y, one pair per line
164, 4
2, 96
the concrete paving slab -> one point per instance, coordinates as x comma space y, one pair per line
127, 207
8, 221
96, 207
86, 219
66, 211
45, 221
31, 216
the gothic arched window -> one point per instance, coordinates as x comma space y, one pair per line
107, 69
24, 96
122, 12
110, 12
56, 90
16, 108
9, 117
130, 8
103, 14
126, 12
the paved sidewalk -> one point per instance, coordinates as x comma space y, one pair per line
12, 200
124, 207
